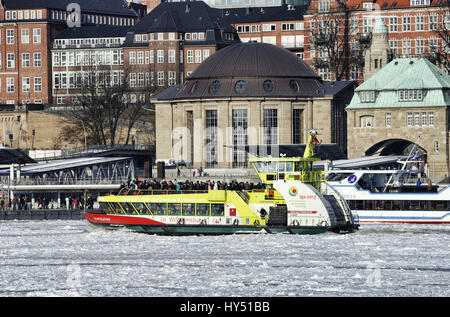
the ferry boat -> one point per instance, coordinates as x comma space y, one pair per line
398, 193
296, 199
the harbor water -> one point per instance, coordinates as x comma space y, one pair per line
71, 258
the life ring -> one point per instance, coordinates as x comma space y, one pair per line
295, 223
323, 223
181, 221
236, 222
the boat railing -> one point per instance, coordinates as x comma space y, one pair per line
327, 189
135, 192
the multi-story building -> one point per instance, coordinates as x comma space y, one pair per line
27, 29
168, 44
413, 30
282, 25
83, 55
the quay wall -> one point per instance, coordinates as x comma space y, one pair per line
42, 214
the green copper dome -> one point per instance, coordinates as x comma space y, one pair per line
380, 27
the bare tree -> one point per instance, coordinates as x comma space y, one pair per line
440, 24
108, 102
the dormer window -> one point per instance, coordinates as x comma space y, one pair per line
324, 6
415, 3
367, 96
410, 95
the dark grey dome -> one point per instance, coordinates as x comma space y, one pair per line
253, 60
252, 70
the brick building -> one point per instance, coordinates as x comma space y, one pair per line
27, 29
168, 44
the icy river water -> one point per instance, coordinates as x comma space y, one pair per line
70, 258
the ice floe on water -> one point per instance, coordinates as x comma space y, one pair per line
70, 258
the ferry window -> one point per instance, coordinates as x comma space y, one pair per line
174, 209
288, 166
414, 205
116, 208
368, 204
217, 210
272, 167
127, 207
202, 209
281, 166
105, 207
189, 209
261, 167
379, 204
359, 205
424, 205
157, 208
396, 205
140, 207
437, 205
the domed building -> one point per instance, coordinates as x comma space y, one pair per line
244, 95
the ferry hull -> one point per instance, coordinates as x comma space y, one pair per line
387, 216
145, 225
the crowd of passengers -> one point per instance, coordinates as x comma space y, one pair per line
189, 185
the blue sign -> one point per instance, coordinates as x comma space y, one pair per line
352, 178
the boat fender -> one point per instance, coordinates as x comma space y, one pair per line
263, 212
181, 221
236, 222
295, 223
256, 222
203, 222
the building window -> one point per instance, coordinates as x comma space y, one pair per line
297, 126
240, 86
132, 80
36, 36
388, 119
25, 60
140, 59
10, 60
9, 36
160, 78
240, 137
367, 96
436, 146
268, 86
366, 121
416, 119
37, 84
171, 56
9, 84
433, 22
431, 118
132, 58
190, 56
420, 46
393, 24
172, 78
25, 84
211, 138
37, 60
324, 6
287, 27
410, 95
420, 22
198, 56
25, 36
214, 87
270, 126
205, 54
160, 56
269, 27
424, 118
409, 118
406, 24
406, 47
294, 85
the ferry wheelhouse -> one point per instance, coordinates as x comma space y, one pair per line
296, 199
396, 193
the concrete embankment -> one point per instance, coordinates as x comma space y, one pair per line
42, 214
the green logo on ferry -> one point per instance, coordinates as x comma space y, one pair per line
293, 191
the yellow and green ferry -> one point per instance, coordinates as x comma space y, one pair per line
296, 199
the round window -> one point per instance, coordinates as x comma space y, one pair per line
214, 87
240, 86
268, 85
194, 87
294, 85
